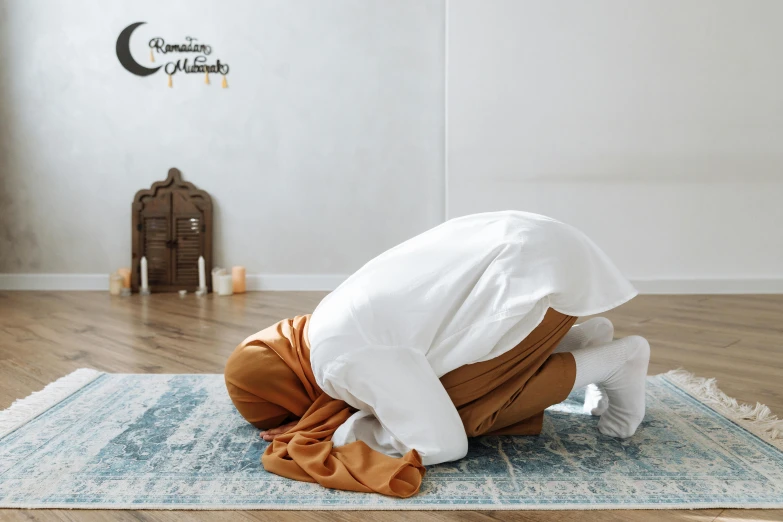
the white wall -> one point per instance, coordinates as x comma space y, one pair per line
654, 126
325, 150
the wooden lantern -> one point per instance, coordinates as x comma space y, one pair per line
172, 227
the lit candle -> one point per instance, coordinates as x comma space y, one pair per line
225, 286
126, 279
238, 277
145, 285
202, 273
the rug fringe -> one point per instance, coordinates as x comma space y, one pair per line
24, 410
757, 419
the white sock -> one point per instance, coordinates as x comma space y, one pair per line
619, 369
596, 364
593, 332
596, 402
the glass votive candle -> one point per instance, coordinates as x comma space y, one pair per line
216, 272
115, 283
225, 284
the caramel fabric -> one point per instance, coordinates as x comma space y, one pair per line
507, 395
270, 381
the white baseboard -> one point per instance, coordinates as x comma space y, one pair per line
292, 282
55, 282
709, 286
327, 282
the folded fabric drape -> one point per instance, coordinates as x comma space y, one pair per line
270, 381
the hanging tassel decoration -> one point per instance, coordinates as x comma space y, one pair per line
171, 83
206, 77
152, 57
225, 82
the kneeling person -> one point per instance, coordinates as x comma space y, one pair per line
465, 330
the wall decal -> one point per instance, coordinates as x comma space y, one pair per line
198, 64
124, 54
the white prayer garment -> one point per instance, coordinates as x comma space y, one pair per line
463, 292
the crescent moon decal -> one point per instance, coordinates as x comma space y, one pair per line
124, 54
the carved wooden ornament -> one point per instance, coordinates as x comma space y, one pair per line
172, 227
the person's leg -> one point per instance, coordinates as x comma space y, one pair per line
507, 395
619, 369
510, 392
548, 386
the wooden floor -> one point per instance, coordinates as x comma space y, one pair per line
45, 335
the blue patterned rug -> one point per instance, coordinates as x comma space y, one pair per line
99, 441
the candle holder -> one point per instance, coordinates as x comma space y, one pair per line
144, 291
115, 284
225, 285
202, 291
217, 271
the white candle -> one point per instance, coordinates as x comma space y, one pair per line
202, 273
145, 285
217, 271
225, 284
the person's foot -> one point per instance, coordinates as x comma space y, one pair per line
596, 401
625, 390
597, 331
593, 332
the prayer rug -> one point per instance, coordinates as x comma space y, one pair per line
122, 441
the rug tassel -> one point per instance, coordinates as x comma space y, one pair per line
24, 410
757, 419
